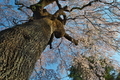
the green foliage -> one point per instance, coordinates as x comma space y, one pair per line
75, 73
109, 75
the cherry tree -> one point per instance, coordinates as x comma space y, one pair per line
94, 24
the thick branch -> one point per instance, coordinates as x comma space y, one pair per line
60, 12
71, 39
44, 3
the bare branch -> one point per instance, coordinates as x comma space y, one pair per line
89, 4
84, 6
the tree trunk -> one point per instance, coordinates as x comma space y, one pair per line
20, 48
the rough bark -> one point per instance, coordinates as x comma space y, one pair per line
21, 46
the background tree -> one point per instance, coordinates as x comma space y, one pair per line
118, 77
94, 23
93, 69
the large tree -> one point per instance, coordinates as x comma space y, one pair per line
93, 23
21, 45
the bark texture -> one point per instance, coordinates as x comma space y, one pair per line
21, 46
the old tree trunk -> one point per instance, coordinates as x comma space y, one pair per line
20, 47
